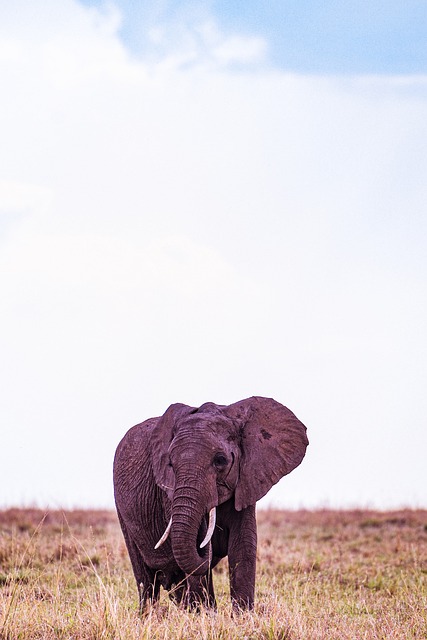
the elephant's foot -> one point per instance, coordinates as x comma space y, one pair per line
199, 593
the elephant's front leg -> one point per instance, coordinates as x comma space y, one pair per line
242, 546
147, 585
200, 591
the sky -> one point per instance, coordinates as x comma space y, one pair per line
204, 202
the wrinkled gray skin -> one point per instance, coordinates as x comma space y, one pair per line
183, 464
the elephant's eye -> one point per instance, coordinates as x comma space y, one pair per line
220, 460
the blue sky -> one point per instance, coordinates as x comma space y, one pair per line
304, 36
192, 211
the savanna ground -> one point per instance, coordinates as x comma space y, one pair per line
321, 574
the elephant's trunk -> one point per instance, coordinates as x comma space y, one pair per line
189, 508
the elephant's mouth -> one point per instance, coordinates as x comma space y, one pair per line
207, 538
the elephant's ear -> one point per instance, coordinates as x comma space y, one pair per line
273, 443
161, 438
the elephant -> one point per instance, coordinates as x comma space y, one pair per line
185, 488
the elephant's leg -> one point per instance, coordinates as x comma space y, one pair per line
208, 589
178, 589
149, 588
200, 591
146, 583
242, 558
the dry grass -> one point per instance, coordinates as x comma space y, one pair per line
322, 574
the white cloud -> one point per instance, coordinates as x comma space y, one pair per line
203, 45
186, 233
232, 49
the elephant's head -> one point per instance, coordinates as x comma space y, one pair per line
203, 457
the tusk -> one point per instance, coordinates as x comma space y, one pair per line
211, 527
165, 535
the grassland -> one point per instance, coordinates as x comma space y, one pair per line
321, 574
